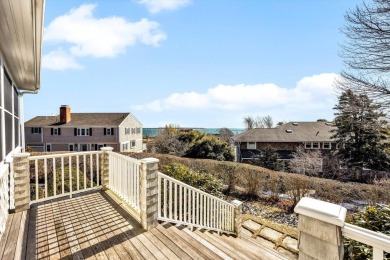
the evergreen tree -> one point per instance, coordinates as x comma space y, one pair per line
361, 132
268, 158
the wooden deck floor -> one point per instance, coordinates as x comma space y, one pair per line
93, 226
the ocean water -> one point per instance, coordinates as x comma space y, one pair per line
153, 132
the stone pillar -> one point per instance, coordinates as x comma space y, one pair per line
319, 227
149, 196
237, 217
21, 170
105, 166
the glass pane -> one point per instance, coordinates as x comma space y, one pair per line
8, 133
16, 103
7, 92
17, 137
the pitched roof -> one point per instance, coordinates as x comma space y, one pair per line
79, 119
300, 132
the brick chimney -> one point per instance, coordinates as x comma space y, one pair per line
64, 114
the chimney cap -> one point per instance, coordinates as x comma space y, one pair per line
64, 106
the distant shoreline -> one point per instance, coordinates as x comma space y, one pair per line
153, 131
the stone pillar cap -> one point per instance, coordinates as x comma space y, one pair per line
321, 210
150, 160
107, 149
21, 155
236, 203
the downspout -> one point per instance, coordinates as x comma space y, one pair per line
21, 117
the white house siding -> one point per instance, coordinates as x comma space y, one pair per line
132, 123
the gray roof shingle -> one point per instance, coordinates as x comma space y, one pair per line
301, 132
79, 119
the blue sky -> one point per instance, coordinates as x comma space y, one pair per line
193, 63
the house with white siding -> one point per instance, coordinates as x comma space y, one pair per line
84, 132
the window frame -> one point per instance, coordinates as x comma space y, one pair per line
83, 131
327, 148
250, 145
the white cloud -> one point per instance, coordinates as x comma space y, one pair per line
310, 93
59, 60
156, 6
100, 37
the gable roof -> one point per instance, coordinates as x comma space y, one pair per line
300, 132
80, 119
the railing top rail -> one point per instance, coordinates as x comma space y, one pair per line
194, 189
62, 155
366, 236
127, 158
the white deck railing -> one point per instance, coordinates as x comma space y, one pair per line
58, 175
183, 204
124, 178
379, 242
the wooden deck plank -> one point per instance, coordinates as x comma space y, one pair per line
184, 245
12, 239
21, 245
31, 234
60, 221
98, 229
209, 254
222, 245
165, 240
268, 253
207, 244
51, 233
160, 246
4, 237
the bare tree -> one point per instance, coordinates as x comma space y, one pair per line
366, 53
268, 122
249, 123
306, 163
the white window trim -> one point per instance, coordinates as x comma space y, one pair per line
330, 145
131, 144
312, 146
55, 131
108, 131
249, 145
80, 130
51, 147
33, 131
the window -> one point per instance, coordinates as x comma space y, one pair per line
138, 130
251, 145
35, 130
326, 145
314, 145
71, 147
132, 144
127, 131
83, 131
55, 131
125, 146
48, 147
108, 131
133, 131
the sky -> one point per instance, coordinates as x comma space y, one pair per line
192, 63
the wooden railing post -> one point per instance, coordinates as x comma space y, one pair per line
21, 170
237, 217
319, 224
149, 196
105, 166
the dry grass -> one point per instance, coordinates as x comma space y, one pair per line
252, 179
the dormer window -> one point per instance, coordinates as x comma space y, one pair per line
251, 145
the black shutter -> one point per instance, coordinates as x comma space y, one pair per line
59, 131
51, 131
32, 130
90, 131
40, 130
75, 132
105, 132
112, 131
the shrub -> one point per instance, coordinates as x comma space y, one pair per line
375, 218
211, 148
199, 180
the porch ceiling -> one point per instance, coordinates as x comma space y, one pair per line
21, 27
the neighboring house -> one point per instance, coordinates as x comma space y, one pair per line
21, 27
84, 132
285, 139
